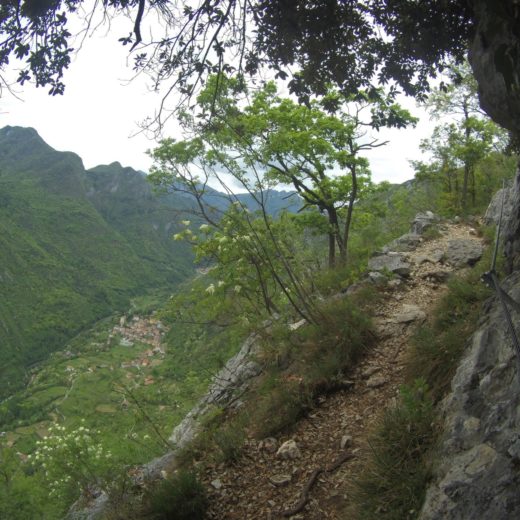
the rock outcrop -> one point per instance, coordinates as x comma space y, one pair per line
512, 229
502, 197
228, 385
391, 262
478, 474
463, 252
495, 59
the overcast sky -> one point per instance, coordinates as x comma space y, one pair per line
98, 116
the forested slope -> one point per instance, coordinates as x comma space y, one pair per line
72, 248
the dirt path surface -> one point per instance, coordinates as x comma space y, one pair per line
263, 485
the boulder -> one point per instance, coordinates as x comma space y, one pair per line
433, 258
423, 221
269, 444
377, 381
393, 262
289, 450
409, 313
377, 278
437, 276
345, 442
463, 252
407, 242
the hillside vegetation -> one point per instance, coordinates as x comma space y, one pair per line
69, 253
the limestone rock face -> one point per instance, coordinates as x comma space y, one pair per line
492, 215
229, 381
478, 474
512, 228
495, 59
393, 262
461, 253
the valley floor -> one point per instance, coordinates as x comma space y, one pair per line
331, 440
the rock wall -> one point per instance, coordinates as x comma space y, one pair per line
494, 55
495, 58
478, 469
512, 228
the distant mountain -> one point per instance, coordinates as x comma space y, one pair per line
74, 246
77, 244
274, 201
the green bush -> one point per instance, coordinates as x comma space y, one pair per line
229, 441
437, 346
181, 497
306, 362
394, 477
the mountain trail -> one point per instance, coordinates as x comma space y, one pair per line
330, 440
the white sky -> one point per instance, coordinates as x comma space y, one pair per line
98, 115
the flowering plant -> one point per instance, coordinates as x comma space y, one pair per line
74, 461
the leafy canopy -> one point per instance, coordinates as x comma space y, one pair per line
312, 45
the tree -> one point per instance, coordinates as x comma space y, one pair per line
273, 140
460, 145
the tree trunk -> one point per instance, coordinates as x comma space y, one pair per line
473, 194
467, 166
332, 250
348, 220
464, 196
334, 235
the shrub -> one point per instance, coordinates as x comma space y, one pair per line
181, 497
229, 440
73, 461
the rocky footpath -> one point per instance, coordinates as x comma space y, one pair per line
304, 475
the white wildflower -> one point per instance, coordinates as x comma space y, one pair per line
186, 222
237, 288
210, 289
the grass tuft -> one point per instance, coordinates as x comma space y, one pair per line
394, 477
181, 497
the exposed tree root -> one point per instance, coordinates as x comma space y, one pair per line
304, 498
